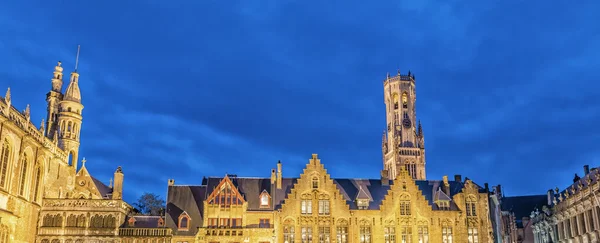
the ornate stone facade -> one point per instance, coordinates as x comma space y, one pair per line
575, 212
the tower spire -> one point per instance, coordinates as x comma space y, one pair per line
77, 57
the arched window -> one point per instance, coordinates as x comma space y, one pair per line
24, 164
404, 100
70, 159
4, 157
395, 101
184, 221
36, 183
264, 199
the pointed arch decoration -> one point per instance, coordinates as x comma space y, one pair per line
225, 194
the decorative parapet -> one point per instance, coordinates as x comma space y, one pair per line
85, 204
145, 232
400, 78
21, 121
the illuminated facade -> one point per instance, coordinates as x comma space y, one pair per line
401, 206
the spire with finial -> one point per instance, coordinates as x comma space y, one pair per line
57, 78
110, 183
420, 129
398, 72
7, 97
72, 93
388, 75
42, 126
27, 113
55, 138
83, 162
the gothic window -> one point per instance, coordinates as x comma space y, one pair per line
446, 234
471, 206
590, 217
306, 234
365, 234
24, 165
323, 207
288, 234
226, 195
315, 183
324, 234
404, 207
71, 221
472, 235
36, 183
184, 221
4, 156
404, 100
395, 101
306, 206
4, 234
108, 221
264, 199
342, 234
81, 221
423, 234
389, 234
406, 233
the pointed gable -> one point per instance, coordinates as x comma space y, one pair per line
86, 186
362, 194
225, 193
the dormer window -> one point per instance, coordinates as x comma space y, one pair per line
184, 222
265, 199
315, 183
443, 205
131, 222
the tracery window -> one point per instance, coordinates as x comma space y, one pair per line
389, 234
36, 183
306, 234
288, 234
323, 207
365, 234
473, 236
306, 206
324, 234
4, 157
24, 164
404, 207
471, 206
406, 233
446, 234
423, 234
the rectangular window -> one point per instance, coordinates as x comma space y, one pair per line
404, 207
323, 207
423, 234
288, 234
306, 206
590, 218
342, 234
389, 234
471, 206
472, 235
575, 229
236, 223
406, 234
212, 222
365, 234
324, 234
306, 232
446, 234
224, 223
582, 226
264, 223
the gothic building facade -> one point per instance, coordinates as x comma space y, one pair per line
401, 206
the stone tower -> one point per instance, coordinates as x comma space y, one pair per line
69, 118
403, 143
53, 98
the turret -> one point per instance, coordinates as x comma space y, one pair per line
70, 118
118, 185
53, 98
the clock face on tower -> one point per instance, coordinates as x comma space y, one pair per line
406, 122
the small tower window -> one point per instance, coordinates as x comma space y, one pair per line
395, 101
315, 183
404, 100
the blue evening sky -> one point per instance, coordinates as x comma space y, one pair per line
507, 90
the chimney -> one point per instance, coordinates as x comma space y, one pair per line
273, 178
486, 187
171, 182
586, 170
550, 197
385, 180
118, 187
446, 185
499, 190
457, 178
279, 176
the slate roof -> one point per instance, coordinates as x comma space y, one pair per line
190, 199
522, 206
142, 221
104, 190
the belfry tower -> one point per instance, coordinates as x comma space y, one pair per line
403, 143
65, 113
